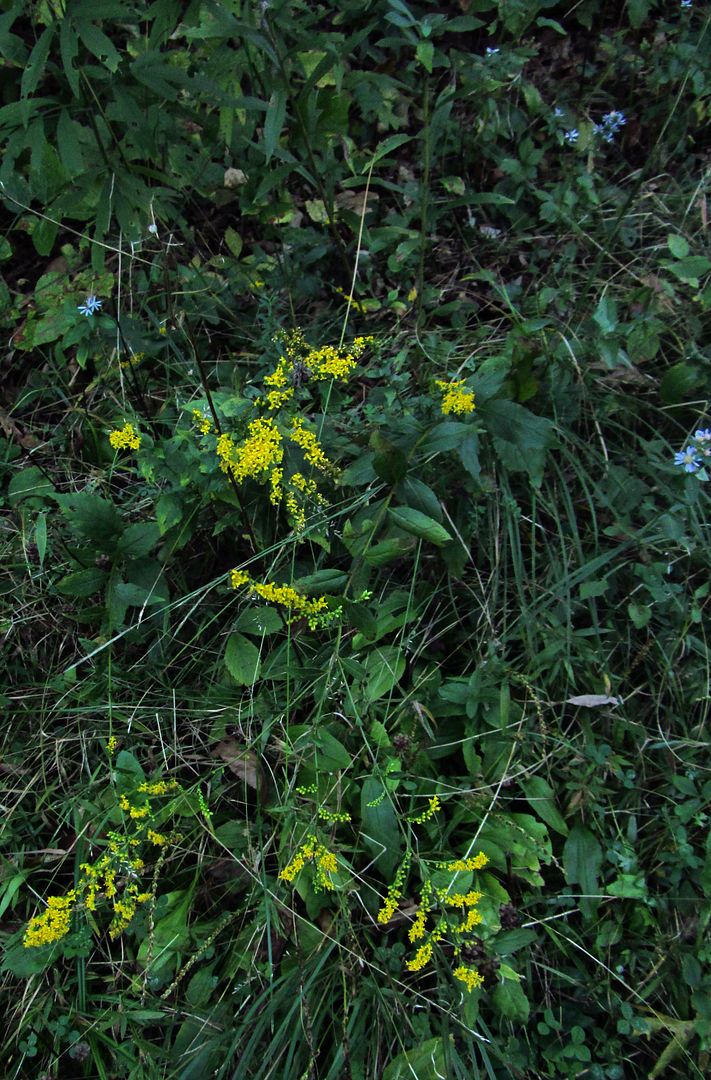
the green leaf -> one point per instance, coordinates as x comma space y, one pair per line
70, 153
169, 512
637, 12
606, 315
393, 142
321, 581
242, 659
234, 242
678, 246
331, 755
34, 69
678, 382
380, 828
582, 859
424, 1062
425, 54
68, 48
99, 45
82, 583
690, 268
274, 122
28, 484
511, 1001
541, 796
418, 524
138, 539
384, 667
92, 517
41, 537
259, 621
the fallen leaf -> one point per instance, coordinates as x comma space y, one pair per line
593, 701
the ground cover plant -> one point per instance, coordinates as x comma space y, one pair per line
354, 448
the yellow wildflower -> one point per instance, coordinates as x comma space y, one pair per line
203, 422
433, 806
469, 976
125, 438
111, 745
477, 863
390, 904
417, 930
422, 957
454, 398
313, 451
473, 919
53, 924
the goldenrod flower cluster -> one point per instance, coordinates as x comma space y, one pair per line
332, 816
53, 924
116, 868
203, 422
390, 904
316, 610
432, 807
455, 399
125, 438
312, 851
301, 363
444, 898
469, 976
460, 865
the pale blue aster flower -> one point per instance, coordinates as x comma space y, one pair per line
90, 306
491, 52
558, 112
688, 458
704, 435
572, 136
686, 3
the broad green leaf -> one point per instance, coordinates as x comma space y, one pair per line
169, 512
425, 54
384, 667
331, 755
425, 1062
510, 1000
690, 268
542, 798
321, 581
379, 822
418, 524
82, 583
234, 242
259, 621
92, 517
582, 859
98, 44
678, 246
34, 69
29, 484
138, 539
242, 659
70, 153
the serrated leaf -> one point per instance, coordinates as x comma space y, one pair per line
92, 517
169, 512
82, 583
418, 524
138, 539
242, 659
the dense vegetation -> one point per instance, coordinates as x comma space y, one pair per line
355, 539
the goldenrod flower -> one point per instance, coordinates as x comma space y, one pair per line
421, 958
477, 863
53, 924
469, 976
433, 806
125, 438
454, 398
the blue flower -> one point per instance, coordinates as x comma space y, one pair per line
688, 458
90, 306
704, 435
491, 52
610, 125
558, 112
686, 3
571, 136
